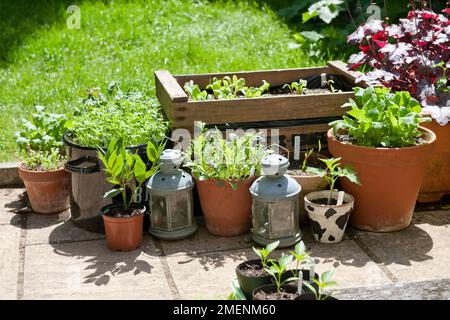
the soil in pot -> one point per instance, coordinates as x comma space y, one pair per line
251, 275
227, 212
123, 228
436, 182
269, 292
48, 191
390, 181
311, 296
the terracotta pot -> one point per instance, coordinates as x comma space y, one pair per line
308, 184
436, 182
227, 212
123, 234
48, 191
390, 181
328, 222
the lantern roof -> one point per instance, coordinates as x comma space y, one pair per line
275, 188
166, 182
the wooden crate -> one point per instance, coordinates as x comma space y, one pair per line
310, 112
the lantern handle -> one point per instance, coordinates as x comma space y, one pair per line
280, 147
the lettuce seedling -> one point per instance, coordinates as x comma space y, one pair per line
194, 92
254, 92
297, 87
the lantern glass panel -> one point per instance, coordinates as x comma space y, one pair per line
159, 212
180, 213
261, 218
282, 219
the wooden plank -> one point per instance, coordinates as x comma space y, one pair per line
289, 107
341, 68
169, 85
275, 77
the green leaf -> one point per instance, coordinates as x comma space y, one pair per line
139, 169
272, 246
112, 193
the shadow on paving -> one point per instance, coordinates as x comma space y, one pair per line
103, 263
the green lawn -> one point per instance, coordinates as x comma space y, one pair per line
44, 62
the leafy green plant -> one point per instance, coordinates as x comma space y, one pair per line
131, 116
236, 291
299, 87
226, 88
300, 255
194, 91
334, 172
211, 156
126, 170
308, 154
264, 253
330, 85
278, 268
254, 92
379, 118
323, 283
40, 140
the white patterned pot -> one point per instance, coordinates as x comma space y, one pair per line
328, 222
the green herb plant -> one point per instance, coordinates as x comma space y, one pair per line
379, 118
308, 154
323, 283
299, 87
264, 253
211, 156
278, 268
131, 116
40, 140
126, 170
333, 172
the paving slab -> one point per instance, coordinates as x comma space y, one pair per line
88, 270
420, 252
56, 228
11, 200
209, 275
421, 290
9, 261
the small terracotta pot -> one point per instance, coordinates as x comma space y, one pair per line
436, 182
227, 212
390, 181
308, 184
48, 191
328, 222
123, 234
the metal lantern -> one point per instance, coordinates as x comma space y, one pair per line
275, 209
171, 204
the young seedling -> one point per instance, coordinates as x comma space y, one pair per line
297, 87
332, 172
308, 154
330, 85
323, 283
127, 170
278, 268
254, 92
194, 92
300, 255
264, 253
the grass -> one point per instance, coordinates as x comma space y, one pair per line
43, 62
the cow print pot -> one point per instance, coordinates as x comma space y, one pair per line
328, 222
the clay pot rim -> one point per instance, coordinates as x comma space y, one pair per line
311, 176
225, 181
429, 141
20, 166
121, 219
331, 205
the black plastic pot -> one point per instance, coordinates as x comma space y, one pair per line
89, 185
272, 288
248, 284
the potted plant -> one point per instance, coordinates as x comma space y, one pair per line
252, 274
124, 221
329, 211
381, 138
308, 180
319, 290
412, 55
224, 170
42, 167
105, 115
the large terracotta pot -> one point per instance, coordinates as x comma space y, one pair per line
123, 234
227, 212
48, 191
390, 181
436, 182
308, 184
